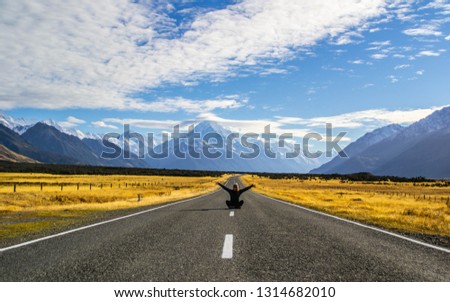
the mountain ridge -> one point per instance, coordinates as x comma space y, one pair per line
419, 150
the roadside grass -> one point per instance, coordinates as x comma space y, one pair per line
45, 202
406, 207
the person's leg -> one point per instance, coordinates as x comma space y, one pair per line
241, 202
228, 204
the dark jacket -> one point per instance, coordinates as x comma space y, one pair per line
234, 195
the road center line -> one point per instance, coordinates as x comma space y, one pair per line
227, 252
232, 214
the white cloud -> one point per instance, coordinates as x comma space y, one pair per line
180, 103
143, 123
441, 5
333, 68
257, 126
420, 72
393, 79
95, 54
242, 126
357, 62
348, 38
402, 66
381, 43
101, 124
269, 71
71, 121
423, 31
379, 56
364, 119
428, 53
447, 38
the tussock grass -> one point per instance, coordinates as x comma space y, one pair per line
415, 208
67, 199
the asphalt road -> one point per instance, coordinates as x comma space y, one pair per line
201, 240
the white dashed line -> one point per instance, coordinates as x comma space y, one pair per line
227, 252
232, 214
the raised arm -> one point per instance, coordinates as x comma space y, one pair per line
223, 187
246, 188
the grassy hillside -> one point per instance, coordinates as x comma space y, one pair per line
11, 156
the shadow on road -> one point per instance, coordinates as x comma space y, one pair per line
205, 210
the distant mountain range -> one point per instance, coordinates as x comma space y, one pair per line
48, 142
422, 149
234, 162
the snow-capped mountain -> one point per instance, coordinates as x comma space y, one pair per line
74, 132
211, 137
50, 137
438, 120
418, 150
18, 125
357, 147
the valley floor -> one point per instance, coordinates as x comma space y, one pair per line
420, 210
33, 205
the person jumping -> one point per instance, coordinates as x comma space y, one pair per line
235, 193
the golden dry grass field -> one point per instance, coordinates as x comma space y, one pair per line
33, 203
421, 208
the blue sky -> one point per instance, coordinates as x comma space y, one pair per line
294, 64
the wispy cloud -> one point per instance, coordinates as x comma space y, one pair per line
357, 62
364, 119
402, 66
360, 120
96, 54
380, 44
71, 122
142, 123
442, 5
378, 56
187, 105
393, 79
428, 53
269, 71
423, 31
102, 124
